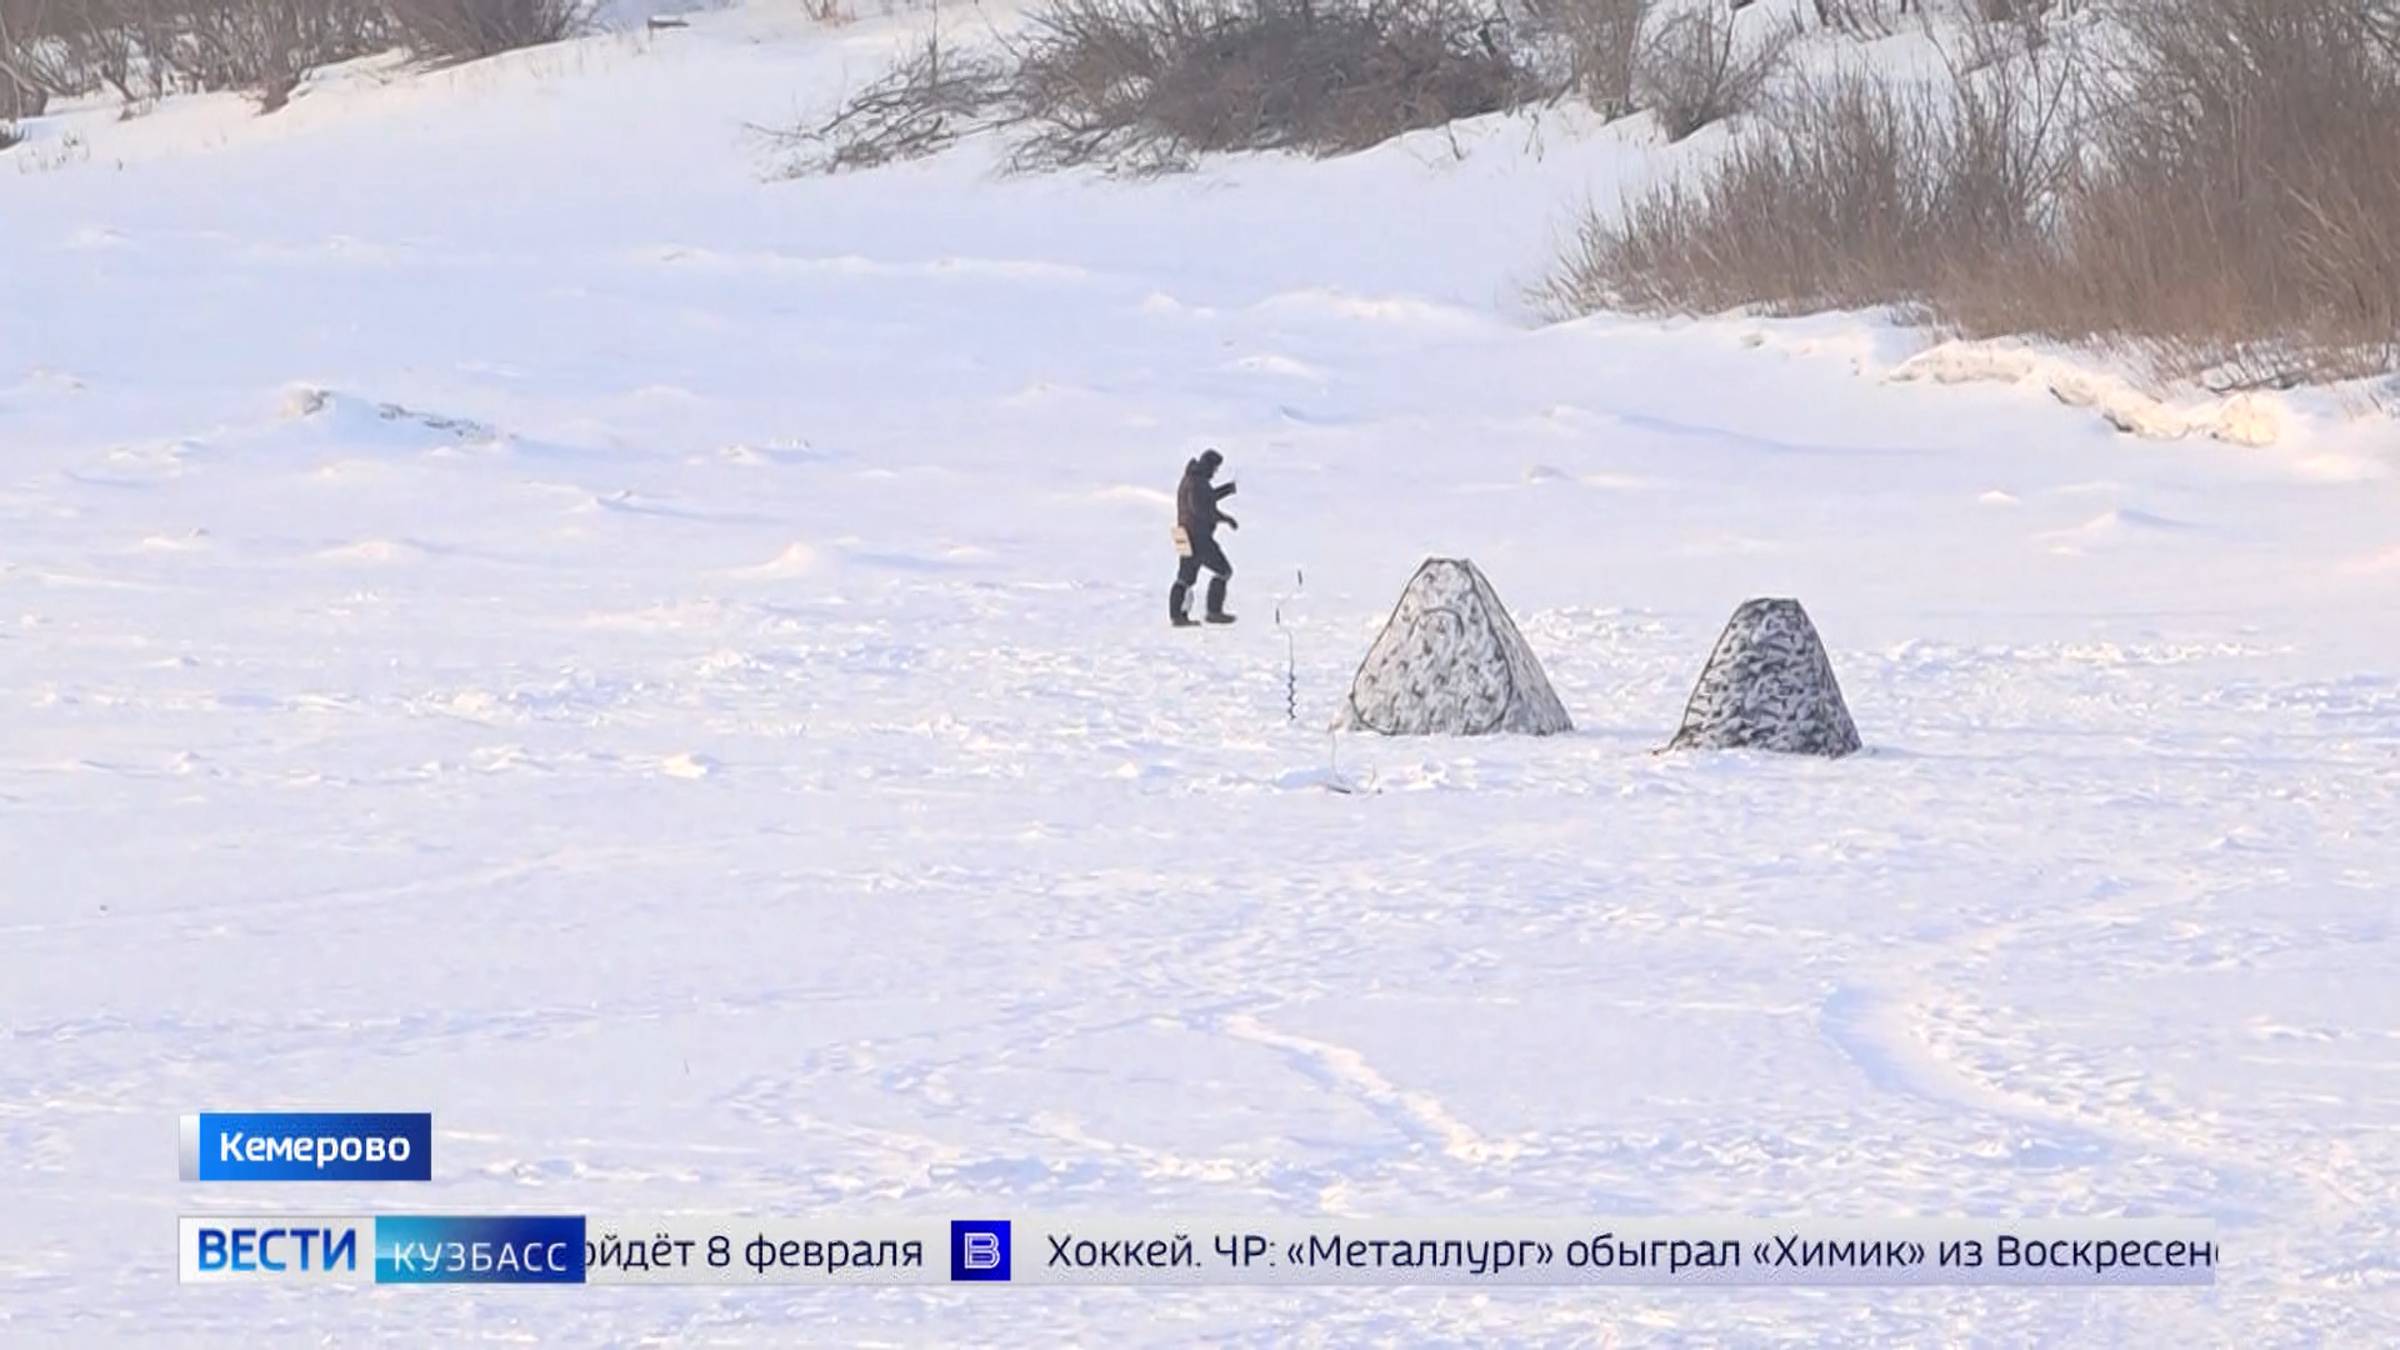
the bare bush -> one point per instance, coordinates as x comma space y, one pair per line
264, 46
132, 47
928, 101
20, 99
1864, 18
143, 49
36, 64
2017, 11
1596, 45
1872, 19
2382, 22
2006, 145
1147, 84
463, 30
1698, 70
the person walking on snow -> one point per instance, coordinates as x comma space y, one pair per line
1196, 521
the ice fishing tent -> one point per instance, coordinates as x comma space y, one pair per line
1768, 686
1449, 662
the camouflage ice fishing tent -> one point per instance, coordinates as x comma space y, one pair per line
1450, 663
1768, 686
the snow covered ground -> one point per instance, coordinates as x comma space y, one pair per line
505, 611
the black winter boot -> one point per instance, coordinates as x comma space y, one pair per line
1179, 599
1216, 601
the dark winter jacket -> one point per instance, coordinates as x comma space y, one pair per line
1196, 502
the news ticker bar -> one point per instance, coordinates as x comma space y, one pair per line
684, 1250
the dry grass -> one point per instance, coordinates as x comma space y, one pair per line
2223, 194
2243, 215
1859, 192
